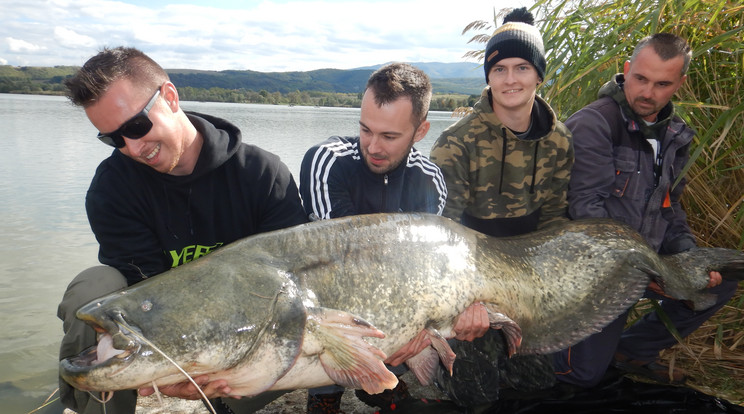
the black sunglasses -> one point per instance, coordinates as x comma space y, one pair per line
135, 128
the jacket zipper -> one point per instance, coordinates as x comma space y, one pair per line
384, 192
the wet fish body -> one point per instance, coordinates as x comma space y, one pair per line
324, 302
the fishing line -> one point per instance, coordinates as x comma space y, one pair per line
120, 321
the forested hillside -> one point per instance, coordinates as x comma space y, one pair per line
325, 87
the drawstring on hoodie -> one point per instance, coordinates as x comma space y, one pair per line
503, 157
188, 213
534, 169
168, 213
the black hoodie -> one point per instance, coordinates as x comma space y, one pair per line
147, 222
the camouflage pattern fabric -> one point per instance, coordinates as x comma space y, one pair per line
487, 182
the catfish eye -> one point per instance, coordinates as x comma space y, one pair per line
146, 306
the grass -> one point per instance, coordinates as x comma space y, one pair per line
713, 355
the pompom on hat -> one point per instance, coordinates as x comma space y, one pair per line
517, 37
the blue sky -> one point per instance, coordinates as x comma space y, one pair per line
269, 35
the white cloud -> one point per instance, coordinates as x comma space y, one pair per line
69, 38
257, 35
19, 45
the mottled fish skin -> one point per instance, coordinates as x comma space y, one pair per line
288, 309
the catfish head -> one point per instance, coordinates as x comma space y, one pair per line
216, 316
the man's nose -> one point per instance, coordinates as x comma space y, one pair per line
374, 144
510, 76
646, 91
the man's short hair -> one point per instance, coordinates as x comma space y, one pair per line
396, 80
93, 79
667, 46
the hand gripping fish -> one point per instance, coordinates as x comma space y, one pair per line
325, 302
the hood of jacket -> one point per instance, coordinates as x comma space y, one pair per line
614, 89
544, 120
221, 140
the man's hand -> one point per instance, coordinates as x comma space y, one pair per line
186, 390
410, 349
472, 322
714, 280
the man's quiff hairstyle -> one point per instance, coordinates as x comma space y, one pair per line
93, 79
396, 80
667, 46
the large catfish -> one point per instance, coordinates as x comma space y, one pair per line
324, 302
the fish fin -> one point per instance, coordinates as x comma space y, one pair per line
439, 343
424, 365
511, 329
733, 270
347, 358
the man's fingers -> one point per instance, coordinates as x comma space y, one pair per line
217, 389
187, 390
715, 279
472, 322
410, 349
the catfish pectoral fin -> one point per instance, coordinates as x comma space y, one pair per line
512, 330
424, 365
346, 357
445, 352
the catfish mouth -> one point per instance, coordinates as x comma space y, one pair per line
116, 346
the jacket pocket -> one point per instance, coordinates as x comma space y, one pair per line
624, 173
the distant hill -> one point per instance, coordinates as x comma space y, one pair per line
463, 78
323, 80
437, 70
447, 78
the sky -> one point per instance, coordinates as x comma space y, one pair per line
265, 36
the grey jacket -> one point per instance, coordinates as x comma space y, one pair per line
613, 174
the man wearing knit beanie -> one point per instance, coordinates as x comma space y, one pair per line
506, 166
517, 37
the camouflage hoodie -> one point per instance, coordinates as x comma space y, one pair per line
498, 183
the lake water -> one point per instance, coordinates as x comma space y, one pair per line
48, 154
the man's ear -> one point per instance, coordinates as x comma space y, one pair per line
170, 94
421, 131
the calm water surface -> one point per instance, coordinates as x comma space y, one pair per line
48, 154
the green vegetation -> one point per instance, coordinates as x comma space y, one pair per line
325, 87
587, 41
36, 80
440, 102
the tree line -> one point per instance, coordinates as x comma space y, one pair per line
48, 80
439, 102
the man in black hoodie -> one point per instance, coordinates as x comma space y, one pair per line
177, 186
